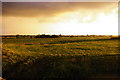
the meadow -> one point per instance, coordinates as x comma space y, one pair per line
63, 57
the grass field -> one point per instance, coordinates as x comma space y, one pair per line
64, 57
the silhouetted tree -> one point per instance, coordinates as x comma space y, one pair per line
17, 36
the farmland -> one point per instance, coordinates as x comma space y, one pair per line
63, 57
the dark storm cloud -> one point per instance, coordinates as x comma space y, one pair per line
48, 9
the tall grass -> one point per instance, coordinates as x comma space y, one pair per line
65, 57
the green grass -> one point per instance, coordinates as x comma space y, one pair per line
65, 57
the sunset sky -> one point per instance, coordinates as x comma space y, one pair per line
66, 18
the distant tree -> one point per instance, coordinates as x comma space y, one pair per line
46, 36
17, 36
60, 35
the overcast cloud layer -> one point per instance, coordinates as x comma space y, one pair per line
50, 9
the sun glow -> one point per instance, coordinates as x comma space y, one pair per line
88, 18
75, 24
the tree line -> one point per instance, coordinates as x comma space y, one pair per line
53, 36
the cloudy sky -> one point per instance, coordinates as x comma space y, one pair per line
67, 18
